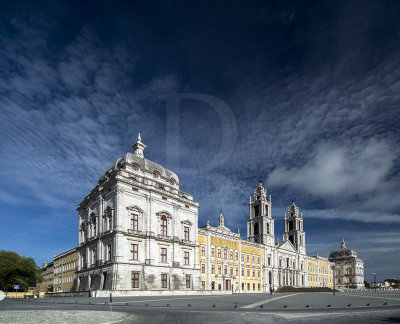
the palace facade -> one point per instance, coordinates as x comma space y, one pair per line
139, 232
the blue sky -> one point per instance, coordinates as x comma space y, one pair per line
305, 94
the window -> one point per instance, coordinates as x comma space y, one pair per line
258, 272
188, 281
243, 272
213, 269
231, 272
256, 210
186, 258
248, 286
242, 257
231, 255
164, 255
203, 285
109, 223
135, 279
164, 228
248, 272
203, 268
269, 260
248, 258
219, 269
93, 256
258, 260
225, 269
109, 252
203, 251
254, 273
213, 252
164, 280
155, 175
134, 251
253, 259
219, 253
134, 223
237, 256
225, 254
186, 231
237, 271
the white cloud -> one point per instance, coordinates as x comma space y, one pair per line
333, 171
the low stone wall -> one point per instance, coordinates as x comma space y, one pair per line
122, 293
69, 294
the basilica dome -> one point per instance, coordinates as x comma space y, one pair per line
342, 253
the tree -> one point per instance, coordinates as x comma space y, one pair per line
366, 284
16, 269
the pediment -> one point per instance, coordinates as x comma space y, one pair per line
288, 246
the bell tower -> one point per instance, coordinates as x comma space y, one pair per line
260, 225
294, 228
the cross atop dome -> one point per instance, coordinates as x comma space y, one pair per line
139, 147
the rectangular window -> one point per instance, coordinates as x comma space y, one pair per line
248, 272
237, 271
248, 258
186, 231
248, 286
254, 286
254, 273
259, 287
269, 260
225, 269
258, 260
242, 257
243, 272
188, 280
258, 272
203, 268
219, 253
109, 223
134, 223
186, 258
231, 255
164, 255
213, 252
135, 279
253, 259
213, 269
135, 252
237, 256
93, 256
231, 272
164, 280
225, 254
219, 269
109, 252
203, 285
203, 251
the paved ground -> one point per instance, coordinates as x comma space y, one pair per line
365, 307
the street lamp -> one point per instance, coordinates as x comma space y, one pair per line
374, 274
334, 279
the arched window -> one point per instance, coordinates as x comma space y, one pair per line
270, 278
164, 225
255, 228
267, 228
